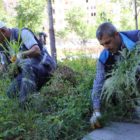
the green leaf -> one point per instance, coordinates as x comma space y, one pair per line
96, 94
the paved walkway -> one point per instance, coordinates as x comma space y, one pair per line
117, 131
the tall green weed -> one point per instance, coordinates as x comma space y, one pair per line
124, 84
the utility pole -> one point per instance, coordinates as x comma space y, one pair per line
136, 20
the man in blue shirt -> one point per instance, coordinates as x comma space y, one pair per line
33, 60
112, 41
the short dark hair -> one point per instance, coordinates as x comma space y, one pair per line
106, 28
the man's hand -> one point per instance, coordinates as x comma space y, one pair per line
19, 57
94, 120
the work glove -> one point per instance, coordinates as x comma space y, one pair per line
94, 120
19, 57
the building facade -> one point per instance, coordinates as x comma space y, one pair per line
59, 8
8, 5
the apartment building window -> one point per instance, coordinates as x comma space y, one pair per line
10, 4
53, 21
91, 7
86, 1
91, 14
60, 21
71, 3
111, 11
4, 6
54, 11
11, 14
94, 7
94, 14
87, 7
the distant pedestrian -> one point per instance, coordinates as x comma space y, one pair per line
43, 38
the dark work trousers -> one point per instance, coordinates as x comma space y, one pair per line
29, 81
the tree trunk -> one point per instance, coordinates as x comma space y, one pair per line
136, 21
51, 31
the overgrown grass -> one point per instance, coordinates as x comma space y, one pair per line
61, 109
53, 114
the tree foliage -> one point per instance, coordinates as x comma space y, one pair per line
104, 14
127, 14
4, 15
32, 13
62, 33
127, 21
1, 5
74, 17
76, 23
104, 18
127, 4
